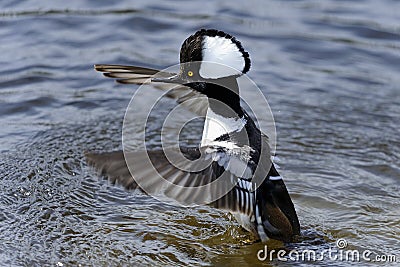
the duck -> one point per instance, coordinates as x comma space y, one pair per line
231, 169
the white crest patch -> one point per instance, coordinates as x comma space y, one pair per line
224, 52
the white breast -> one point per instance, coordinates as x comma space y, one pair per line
216, 125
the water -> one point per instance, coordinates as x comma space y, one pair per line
328, 68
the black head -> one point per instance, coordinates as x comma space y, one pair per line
210, 62
213, 54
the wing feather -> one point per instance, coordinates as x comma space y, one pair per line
113, 166
190, 99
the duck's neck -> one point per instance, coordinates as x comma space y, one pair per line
224, 115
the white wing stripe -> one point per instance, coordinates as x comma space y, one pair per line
275, 178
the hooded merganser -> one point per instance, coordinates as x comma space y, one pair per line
258, 199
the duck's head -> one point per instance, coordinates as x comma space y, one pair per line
210, 55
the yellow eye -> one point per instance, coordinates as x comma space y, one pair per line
190, 73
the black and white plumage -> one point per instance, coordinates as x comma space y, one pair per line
231, 141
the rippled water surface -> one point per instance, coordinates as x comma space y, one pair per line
330, 71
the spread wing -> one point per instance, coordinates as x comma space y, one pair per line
207, 174
192, 100
131, 74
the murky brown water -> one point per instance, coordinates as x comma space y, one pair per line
330, 70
